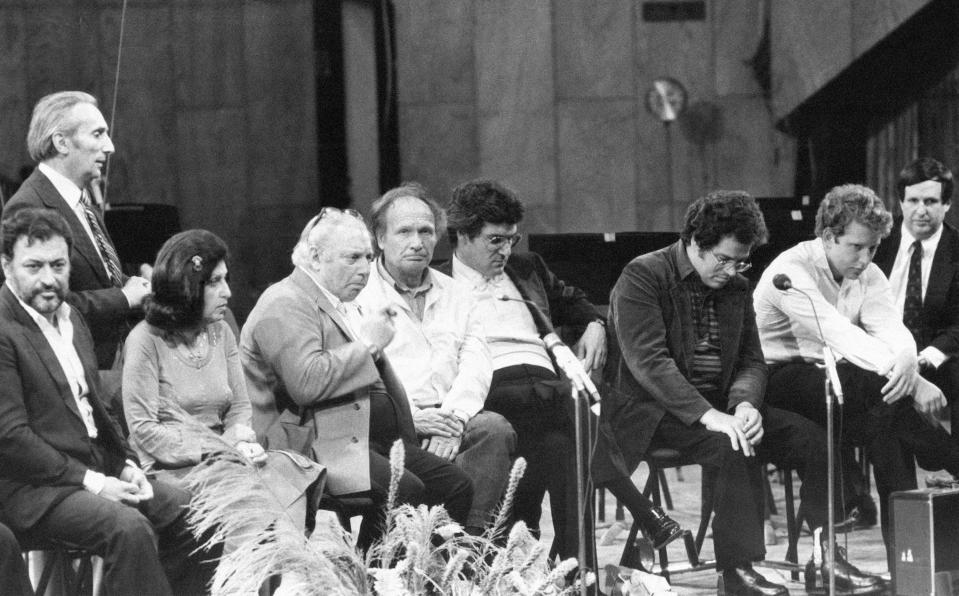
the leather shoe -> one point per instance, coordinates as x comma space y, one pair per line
744, 581
848, 577
659, 528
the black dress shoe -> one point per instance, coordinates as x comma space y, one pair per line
848, 577
744, 581
659, 528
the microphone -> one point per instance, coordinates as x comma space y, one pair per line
565, 359
782, 282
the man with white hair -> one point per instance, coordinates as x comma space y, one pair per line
321, 384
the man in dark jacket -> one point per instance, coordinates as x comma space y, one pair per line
67, 473
527, 387
692, 378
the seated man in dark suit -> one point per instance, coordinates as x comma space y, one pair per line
321, 384
66, 472
526, 388
921, 259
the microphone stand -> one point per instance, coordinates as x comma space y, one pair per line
580, 396
831, 391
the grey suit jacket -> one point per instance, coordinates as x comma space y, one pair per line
309, 382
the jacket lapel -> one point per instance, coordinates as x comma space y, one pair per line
729, 310
530, 290
940, 276
82, 245
303, 281
41, 346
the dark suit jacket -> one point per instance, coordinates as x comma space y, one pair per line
651, 319
44, 447
103, 306
940, 309
309, 382
563, 305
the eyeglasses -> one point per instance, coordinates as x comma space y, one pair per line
495, 242
726, 262
325, 212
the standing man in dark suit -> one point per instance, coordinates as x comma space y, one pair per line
66, 472
921, 259
68, 139
526, 388
321, 384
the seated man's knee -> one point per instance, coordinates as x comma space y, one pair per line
410, 488
132, 525
490, 426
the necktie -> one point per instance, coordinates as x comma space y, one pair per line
109, 254
912, 307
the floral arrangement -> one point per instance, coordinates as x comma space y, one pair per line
422, 552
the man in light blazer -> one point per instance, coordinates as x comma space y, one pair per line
66, 472
925, 194
321, 385
68, 139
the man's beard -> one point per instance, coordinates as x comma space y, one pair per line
41, 305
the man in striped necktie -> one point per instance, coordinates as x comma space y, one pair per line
69, 140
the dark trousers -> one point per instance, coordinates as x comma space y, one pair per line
891, 433
427, 478
13, 573
539, 406
127, 538
946, 378
738, 490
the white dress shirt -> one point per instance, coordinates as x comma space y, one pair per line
858, 317
510, 331
899, 277
442, 360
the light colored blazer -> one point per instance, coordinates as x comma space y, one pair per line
309, 382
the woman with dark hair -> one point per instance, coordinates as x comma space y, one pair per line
184, 395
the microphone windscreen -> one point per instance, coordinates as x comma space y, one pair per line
782, 282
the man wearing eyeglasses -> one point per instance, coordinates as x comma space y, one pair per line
692, 378
483, 218
838, 295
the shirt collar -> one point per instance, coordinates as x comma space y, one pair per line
62, 312
336, 302
928, 245
683, 264
70, 192
425, 286
470, 275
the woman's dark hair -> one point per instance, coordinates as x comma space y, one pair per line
182, 269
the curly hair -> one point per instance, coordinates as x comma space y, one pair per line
34, 223
478, 202
847, 203
183, 267
723, 213
926, 168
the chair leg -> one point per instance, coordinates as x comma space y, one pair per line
706, 507
793, 525
600, 496
664, 487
